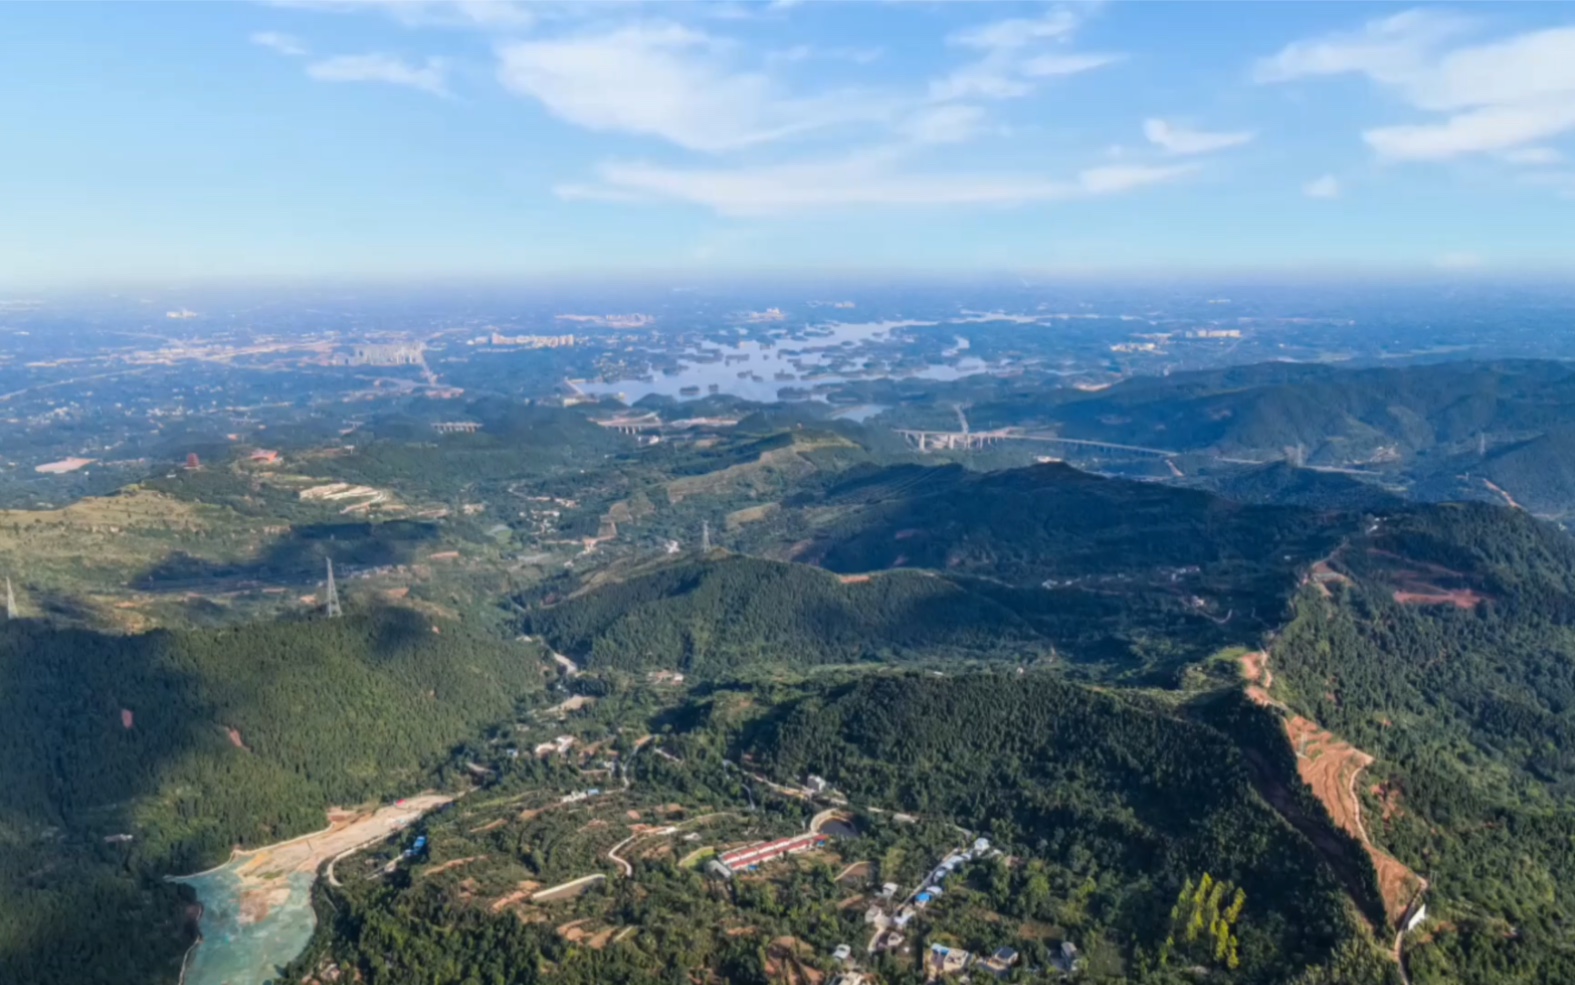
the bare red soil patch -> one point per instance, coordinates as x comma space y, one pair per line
518, 896
451, 864
1330, 767
1462, 598
1255, 669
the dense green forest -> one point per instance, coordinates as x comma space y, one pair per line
1283, 484
725, 613
1146, 547
1468, 709
1053, 522
716, 615
104, 735
1329, 410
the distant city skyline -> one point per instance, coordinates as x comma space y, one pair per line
376, 139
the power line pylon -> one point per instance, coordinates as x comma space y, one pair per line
705, 536
332, 606
10, 601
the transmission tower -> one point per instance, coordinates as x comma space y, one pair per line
332, 607
705, 536
1482, 443
10, 601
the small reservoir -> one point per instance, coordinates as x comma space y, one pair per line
247, 936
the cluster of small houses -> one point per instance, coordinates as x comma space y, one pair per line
941, 960
934, 887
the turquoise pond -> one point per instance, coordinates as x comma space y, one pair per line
232, 953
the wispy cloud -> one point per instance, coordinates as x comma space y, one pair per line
284, 44
671, 82
868, 179
1015, 52
1048, 66
950, 123
1180, 140
1019, 32
804, 53
1489, 97
1491, 128
1533, 156
1111, 179
1328, 186
428, 77
484, 14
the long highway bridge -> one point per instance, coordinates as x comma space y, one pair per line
954, 440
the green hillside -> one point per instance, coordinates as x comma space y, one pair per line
1538, 473
1052, 521
1282, 484
1102, 808
1466, 696
725, 613
1106, 792
1153, 547
1333, 412
107, 735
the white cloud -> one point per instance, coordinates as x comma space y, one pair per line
668, 81
1111, 178
1392, 51
382, 68
1018, 32
1044, 66
1492, 128
949, 123
1014, 52
991, 78
868, 178
803, 53
484, 14
1533, 156
1494, 96
1327, 186
1181, 140
284, 44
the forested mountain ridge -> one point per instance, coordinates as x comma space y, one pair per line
1437, 429
1052, 521
194, 742
940, 562
1330, 410
1444, 646
1283, 484
715, 615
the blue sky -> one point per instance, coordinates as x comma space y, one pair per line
180, 141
